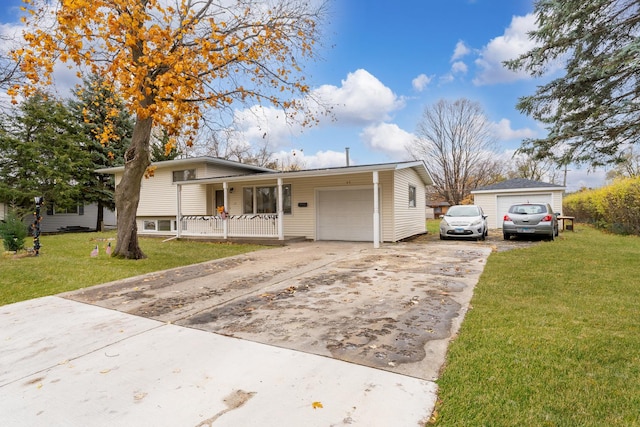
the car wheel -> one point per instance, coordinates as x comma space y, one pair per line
506, 236
442, 237
553, 236
482, 236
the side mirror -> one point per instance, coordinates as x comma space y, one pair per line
441, 216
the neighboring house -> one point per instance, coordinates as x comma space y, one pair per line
83, 217
378, 203
435, 209
495, 199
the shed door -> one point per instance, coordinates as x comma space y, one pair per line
505, 201
345, 215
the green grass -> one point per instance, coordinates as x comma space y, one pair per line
65, 263
552, 339
433, 226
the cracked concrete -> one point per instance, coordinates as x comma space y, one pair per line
392, 308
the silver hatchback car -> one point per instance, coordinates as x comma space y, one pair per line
527, 219
464, 221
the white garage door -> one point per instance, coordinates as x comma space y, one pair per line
345, 215
505, 201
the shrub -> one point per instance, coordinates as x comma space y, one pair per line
615, 207
13, 233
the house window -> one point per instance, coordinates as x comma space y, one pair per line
412, 196
265, 199
164, 225
157, 225
184, 175
68, 209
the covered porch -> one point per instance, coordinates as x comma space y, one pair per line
230, 220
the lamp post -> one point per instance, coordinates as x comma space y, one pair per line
36, 224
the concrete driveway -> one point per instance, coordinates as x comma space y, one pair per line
300, 312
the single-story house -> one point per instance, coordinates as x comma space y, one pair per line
78, 218
212, 197
437, 208
495, 199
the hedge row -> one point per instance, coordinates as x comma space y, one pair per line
615, 207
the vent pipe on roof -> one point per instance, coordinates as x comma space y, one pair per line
346, 149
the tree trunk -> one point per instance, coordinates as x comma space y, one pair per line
100, 216
127, 193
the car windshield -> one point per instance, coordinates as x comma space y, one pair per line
528, 209
463, 211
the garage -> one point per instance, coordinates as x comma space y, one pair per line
495, 199
345, 214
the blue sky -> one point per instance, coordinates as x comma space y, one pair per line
382, 63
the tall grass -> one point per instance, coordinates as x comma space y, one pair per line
553, 338
65, 263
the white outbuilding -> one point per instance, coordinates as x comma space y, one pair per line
495, 199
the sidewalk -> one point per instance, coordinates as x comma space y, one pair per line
66, 363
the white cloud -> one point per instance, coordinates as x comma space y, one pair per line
447, 78
321, 159
514, 42
460, 51
503, 131
361, 98
459, 67
421, 82
388, 138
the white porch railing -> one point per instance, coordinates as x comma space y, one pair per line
259, 225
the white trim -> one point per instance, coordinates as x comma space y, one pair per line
519, 190
376, 211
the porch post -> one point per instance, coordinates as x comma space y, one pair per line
225, 223
376, 212
280, 211
179, 213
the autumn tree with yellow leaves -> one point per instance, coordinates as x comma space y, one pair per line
170, 60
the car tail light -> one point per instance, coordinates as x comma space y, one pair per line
547, 218
506, 218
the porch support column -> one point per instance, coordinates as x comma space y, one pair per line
376, 212
280, 211
225, 223
179, 213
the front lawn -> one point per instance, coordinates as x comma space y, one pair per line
65, 263
552, 339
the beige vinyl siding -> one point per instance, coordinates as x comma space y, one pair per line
489, 204
408, 221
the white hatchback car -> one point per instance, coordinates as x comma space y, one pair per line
464, 221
